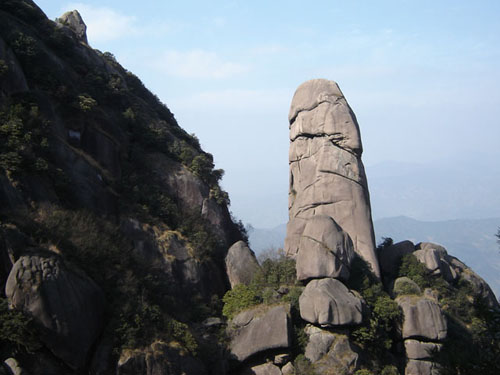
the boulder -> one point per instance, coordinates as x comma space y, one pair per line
13, 367
327, 176
430, 258
241, 264
68, 304
328, 302
260, 329
264, 369
430, 245
390, 257
325, 250
288, 369
420, 350
423, 318
404, 286
415, 367
74, 21
330, 351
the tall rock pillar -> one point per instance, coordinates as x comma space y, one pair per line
327, 176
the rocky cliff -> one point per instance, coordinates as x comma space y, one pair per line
113, 228
118, 254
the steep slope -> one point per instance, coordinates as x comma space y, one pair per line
113, 228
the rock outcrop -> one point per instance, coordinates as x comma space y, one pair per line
326, 173
328, 302
260, 329
74, 21
241, 264
66, 303
423, 318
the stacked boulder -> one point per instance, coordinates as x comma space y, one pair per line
424, 327
330, 219
323, 261
326, 173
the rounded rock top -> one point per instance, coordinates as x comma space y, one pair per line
311, 93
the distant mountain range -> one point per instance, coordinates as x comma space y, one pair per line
455, 188
473, 241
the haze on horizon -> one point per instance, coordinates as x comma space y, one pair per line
422, 78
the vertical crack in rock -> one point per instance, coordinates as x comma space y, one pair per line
325, 166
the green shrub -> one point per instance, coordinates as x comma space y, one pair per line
405, 287
363, 372
412, 268
16, 331
23, 138
276, 270
86, 103
377, 332
238, 299
389, 370
25, 46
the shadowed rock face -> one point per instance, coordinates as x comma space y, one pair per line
326, 173
69, 305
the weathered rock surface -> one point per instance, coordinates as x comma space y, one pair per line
328, 302
451, 269
390, 257
288, 369
430, 258
415, 367
423, 318
326, 173
264, 369
330, 351
158, 359
325, 250
436, 259
260, 329
241, 264
69, 305
74, 21
420, 350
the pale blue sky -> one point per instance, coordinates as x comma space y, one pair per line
423, 77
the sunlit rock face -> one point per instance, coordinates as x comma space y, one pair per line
327, 176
